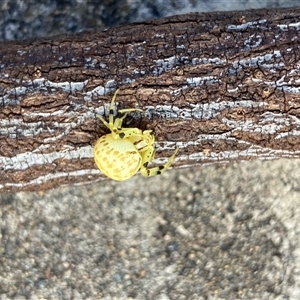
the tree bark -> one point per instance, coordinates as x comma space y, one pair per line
220, 86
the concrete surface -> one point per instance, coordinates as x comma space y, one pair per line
202, 233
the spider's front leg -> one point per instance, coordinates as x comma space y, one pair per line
110, 124
111, 109
116, 124
147, 156
119, 121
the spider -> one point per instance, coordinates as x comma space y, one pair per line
123, 152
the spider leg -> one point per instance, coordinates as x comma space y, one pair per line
103, 121
110, 123
147, 156
111, 109
119, 121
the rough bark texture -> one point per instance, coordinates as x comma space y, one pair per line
221, 86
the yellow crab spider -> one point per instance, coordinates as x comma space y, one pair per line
123, 152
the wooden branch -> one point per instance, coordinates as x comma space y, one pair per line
221, 86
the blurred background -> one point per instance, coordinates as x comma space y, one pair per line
200, 233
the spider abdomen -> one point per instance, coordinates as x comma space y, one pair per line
118, 159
